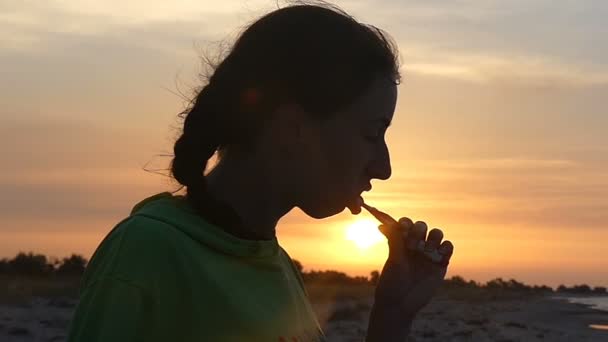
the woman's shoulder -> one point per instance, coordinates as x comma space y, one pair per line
136, 248
137, 232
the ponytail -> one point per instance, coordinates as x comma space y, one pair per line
197, 144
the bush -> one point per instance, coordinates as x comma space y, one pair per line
29, 264
74, 265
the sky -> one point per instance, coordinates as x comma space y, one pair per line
498, 136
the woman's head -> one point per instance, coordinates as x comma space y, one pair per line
309, 90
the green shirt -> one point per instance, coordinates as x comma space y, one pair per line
166, 274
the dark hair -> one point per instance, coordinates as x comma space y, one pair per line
314, 55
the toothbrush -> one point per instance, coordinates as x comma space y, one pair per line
386, 219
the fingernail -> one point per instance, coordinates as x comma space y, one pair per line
381, 228
407, 224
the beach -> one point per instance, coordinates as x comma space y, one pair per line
543, 318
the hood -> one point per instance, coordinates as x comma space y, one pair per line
175, 211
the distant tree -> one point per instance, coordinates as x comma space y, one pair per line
30, 264
298, 265
562, 288
581, 288
360, 279
473, 284
333, 277
456, 281
54, 261
542, 289
599, 290
4, 266
73, 265
517, 286
374, 276
497, 284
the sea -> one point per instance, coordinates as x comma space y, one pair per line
598, 302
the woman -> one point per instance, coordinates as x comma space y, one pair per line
297, 112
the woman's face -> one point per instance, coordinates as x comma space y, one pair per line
347, 152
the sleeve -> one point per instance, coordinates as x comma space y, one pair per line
112, 309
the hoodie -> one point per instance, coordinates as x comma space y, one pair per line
166, 274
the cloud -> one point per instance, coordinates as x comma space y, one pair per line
474, 41
45, 143
67, 170
30, 24
74, 196
43, 33
519, 70
539, 193
534, 43
55, 202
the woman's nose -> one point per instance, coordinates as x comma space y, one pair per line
380, 166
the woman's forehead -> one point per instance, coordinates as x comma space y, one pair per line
376, 104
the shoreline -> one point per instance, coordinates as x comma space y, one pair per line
528, 318
594, 314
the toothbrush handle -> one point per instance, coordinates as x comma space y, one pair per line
384, 218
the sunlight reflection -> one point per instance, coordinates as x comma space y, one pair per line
598, 326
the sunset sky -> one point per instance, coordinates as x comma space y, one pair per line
500, 136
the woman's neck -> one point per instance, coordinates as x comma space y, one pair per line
253, 194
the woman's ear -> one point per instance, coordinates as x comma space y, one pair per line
294, 129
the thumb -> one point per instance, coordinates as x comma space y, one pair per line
396, 243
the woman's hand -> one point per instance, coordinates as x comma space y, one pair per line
408, 280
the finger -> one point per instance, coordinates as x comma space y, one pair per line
432, 243
446, 249
417, 235
406, 226
419, 230
396, 245
433, 239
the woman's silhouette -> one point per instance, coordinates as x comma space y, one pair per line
297, 112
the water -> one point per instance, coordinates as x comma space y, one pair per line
599, 303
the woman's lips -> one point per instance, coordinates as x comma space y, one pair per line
355, 206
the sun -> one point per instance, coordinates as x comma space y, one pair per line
364, 233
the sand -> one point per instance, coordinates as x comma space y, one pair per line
42, 319
531, 319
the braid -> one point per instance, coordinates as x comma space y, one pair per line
198, 142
